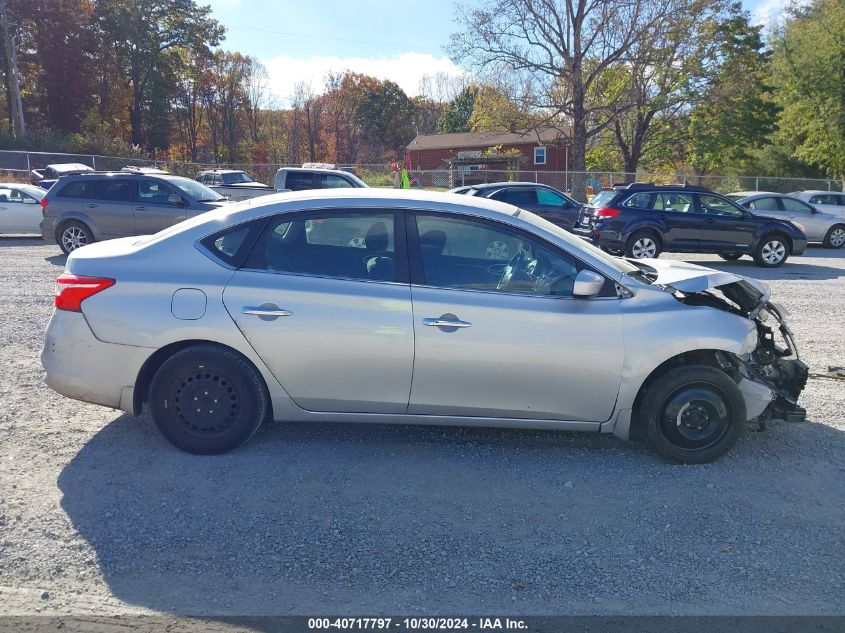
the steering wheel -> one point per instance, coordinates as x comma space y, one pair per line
510, 269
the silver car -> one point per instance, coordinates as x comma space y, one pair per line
265, 310
820, 227
832, 202
86, 208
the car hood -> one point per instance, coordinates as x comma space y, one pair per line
244, 185
691, 278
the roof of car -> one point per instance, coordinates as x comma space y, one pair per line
813, 191
748, 194
508, 183
650, 186
222, 171
69, 167
324, 170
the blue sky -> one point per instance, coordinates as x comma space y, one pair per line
301, 40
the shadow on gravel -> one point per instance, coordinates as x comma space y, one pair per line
319, 518
20, 240
56, 260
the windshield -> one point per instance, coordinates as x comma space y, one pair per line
603, 197
577, 243
195, 190
35, 192
235, 178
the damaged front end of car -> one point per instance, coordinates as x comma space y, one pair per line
767, 369
772, 376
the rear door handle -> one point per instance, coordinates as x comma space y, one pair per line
266, 311
140, 208
440, 322
91, 206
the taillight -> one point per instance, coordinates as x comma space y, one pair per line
43, 206
72, 290
607, 213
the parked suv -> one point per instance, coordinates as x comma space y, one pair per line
301, 178
547, 202
86, 208
642, 220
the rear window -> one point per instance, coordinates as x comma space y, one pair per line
232, 245
605, 196
297, 181
78, 189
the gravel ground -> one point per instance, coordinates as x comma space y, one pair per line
100, 515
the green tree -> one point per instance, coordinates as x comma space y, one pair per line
735, 114
385, 117
456, 117
493, 110
146, 37
808, 70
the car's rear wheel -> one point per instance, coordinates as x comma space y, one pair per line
208, 399
641, 245
73, 235
731, 257
771, 251
693, 415
835, 237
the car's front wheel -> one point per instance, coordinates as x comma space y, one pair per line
73, 235
692, 415
208, 399
771, 251
835, 237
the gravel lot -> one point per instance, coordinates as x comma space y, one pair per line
99, 514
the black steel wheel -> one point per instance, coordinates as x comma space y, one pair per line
208, 399
693, 415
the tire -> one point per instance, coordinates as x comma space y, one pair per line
692, 415
642, 244
771, 251
835, 237
205, 376
73, 235
731, 257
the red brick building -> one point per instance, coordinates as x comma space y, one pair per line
542, 150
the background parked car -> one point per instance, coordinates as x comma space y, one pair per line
86, 208
46, 177
233, 183
642, 220
818, 226
547, 202
20, 209
827, 201
302, 178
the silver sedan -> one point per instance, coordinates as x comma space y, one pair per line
383, 306
819, 226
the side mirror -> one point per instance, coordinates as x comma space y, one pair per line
587, 284
175, 199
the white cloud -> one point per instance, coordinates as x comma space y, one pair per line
770, 13
406, 69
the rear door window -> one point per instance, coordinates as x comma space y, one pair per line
765, 204
78, 189
640, 200
671, 202
519, 197
796, 206
332, 181
299, 180
116, 190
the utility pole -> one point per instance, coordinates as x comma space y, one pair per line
16, 104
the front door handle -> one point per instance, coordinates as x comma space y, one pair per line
441, 322
91, 205
140, 208
266, 311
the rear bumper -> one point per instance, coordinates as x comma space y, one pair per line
47, 226
82, 367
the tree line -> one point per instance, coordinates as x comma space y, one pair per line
648, 85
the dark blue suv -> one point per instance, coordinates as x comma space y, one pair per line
643, 220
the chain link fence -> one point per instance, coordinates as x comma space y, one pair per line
17, 166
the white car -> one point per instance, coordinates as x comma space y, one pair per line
20, 208
827, 201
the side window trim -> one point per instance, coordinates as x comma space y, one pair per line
417, 274
400, 249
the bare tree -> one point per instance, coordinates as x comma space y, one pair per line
255, 97
561, 47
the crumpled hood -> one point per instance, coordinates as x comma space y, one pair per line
691, 278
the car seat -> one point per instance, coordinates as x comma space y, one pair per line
380, 264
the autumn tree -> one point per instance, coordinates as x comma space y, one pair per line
145, 36
494, 110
